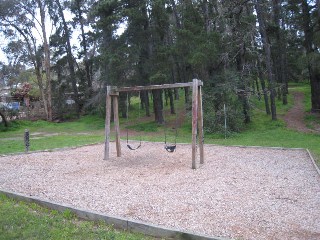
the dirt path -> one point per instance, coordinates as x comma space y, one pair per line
295, 116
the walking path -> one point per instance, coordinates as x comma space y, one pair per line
295, 116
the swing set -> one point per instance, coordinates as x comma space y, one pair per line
112, 96
168, 147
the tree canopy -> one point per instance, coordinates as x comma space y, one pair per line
238, 48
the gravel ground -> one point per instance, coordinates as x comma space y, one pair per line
241, 193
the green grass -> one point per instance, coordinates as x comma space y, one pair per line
46, 135
50, 142
90, 129
309, 118
262, 131
21, 220
87, 123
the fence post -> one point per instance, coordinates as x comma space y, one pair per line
26, 140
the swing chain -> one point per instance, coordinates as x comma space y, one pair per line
170, 148
127, 113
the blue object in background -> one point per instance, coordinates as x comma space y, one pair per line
15, 106
10, 106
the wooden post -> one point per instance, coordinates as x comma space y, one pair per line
200, 125
116, 124
26, 140
194, 121
107, 124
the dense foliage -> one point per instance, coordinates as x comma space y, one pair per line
240, 50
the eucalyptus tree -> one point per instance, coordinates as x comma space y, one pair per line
260, 6
62, 36
278, 32
83, 21
10, 72
20, 23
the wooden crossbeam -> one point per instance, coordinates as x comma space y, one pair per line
154, 87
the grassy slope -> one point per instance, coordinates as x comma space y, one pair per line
264, 132
29, 221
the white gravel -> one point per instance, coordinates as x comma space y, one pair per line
242, 193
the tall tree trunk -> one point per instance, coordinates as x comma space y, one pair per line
176, 94
243, 96
176, 14
265, 91
158, 106
181, 66
123, 105
266, 46
42, 91
186, 95
172, 110
314, 72
46, 60
70, 58
145, 96
257, 85
4, 119
280, 51
84, 46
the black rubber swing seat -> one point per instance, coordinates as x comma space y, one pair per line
132, 148
170, 149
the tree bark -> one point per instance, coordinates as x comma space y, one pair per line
265, 91
172, 110
46, 60
145, 96
186, 95
35, 59
4, 119
267, 49
314, 72
158, 106
70, 58
280, 52
243, 95
85, 51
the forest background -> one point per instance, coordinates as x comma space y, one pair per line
241, 50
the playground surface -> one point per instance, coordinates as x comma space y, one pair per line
240, 193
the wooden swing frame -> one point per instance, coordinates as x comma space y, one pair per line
112, 96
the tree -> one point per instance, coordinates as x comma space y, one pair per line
311, 29
277, 29
58, 16
19, 24
259, 5
46, 49
3, 118
80, 8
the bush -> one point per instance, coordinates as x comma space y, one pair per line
220, 92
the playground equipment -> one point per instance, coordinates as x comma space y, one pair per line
197, 116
